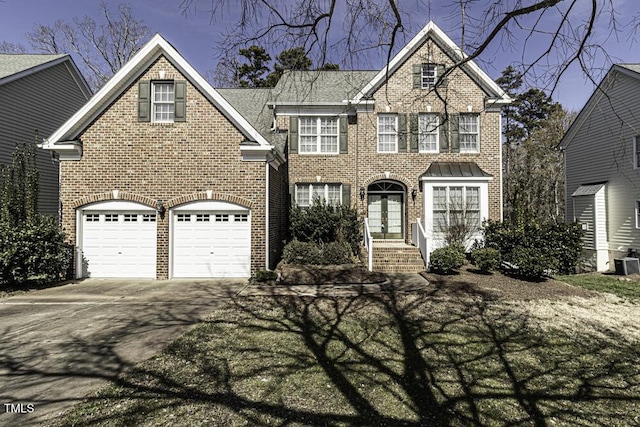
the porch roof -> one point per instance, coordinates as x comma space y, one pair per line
455, 170
588, 189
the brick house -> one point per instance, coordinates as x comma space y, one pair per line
164, 176
161, 177
415, 146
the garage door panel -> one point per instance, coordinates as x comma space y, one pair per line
212, 244
118, 244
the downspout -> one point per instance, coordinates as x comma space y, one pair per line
501, 171
266, 215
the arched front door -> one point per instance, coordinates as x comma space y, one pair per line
386, 209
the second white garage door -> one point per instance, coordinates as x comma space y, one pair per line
211, 239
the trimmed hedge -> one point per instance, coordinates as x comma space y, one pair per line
536, 248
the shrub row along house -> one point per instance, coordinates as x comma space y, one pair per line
164, 176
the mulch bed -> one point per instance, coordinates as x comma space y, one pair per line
467, 281
499, 285
292, 274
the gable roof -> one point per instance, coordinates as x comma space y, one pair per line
252, 104
631, 70
151, 51
319, 87
17, 66
497, 96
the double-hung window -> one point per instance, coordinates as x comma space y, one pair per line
428, 133
469, 133
636, 152
387, 133
429, 75
163, 102
331, 194
319, 135
456, 207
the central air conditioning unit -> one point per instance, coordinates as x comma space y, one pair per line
627, 265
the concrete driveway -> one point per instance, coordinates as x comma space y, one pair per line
60, 344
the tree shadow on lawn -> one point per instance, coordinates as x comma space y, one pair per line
445, 356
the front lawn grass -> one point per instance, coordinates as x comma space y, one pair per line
605, 283
426, 359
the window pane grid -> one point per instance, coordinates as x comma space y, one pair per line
387, 134
456, 205
318, 135
306, 194
468, 133
429, 75
163, 98
428, 133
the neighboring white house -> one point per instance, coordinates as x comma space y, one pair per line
602, 167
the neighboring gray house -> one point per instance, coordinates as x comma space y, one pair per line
602, 167
38, 93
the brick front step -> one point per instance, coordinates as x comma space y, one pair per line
397, 259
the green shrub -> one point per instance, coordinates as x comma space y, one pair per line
533, 263
486, 259
559, 245
297, 252
447, 259
322, 223
334, 253
264, 276
36, 248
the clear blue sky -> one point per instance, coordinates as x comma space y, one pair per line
196, 36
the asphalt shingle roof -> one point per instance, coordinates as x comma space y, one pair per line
11, 64
251, 103
315, 87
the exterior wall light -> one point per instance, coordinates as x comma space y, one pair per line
160, 208
361, 194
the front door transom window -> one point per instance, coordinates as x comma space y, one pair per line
386, 210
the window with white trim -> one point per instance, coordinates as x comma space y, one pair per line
428, 133
328, 193
111, 217
636, 152
456, 206
429, 75
162, 102
318, 135
92, 217
387, 133
469, 133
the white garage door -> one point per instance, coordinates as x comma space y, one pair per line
211, 243
118, 243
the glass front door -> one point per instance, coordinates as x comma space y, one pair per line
386, 214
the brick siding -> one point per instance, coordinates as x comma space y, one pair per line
175, 163
363, 165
